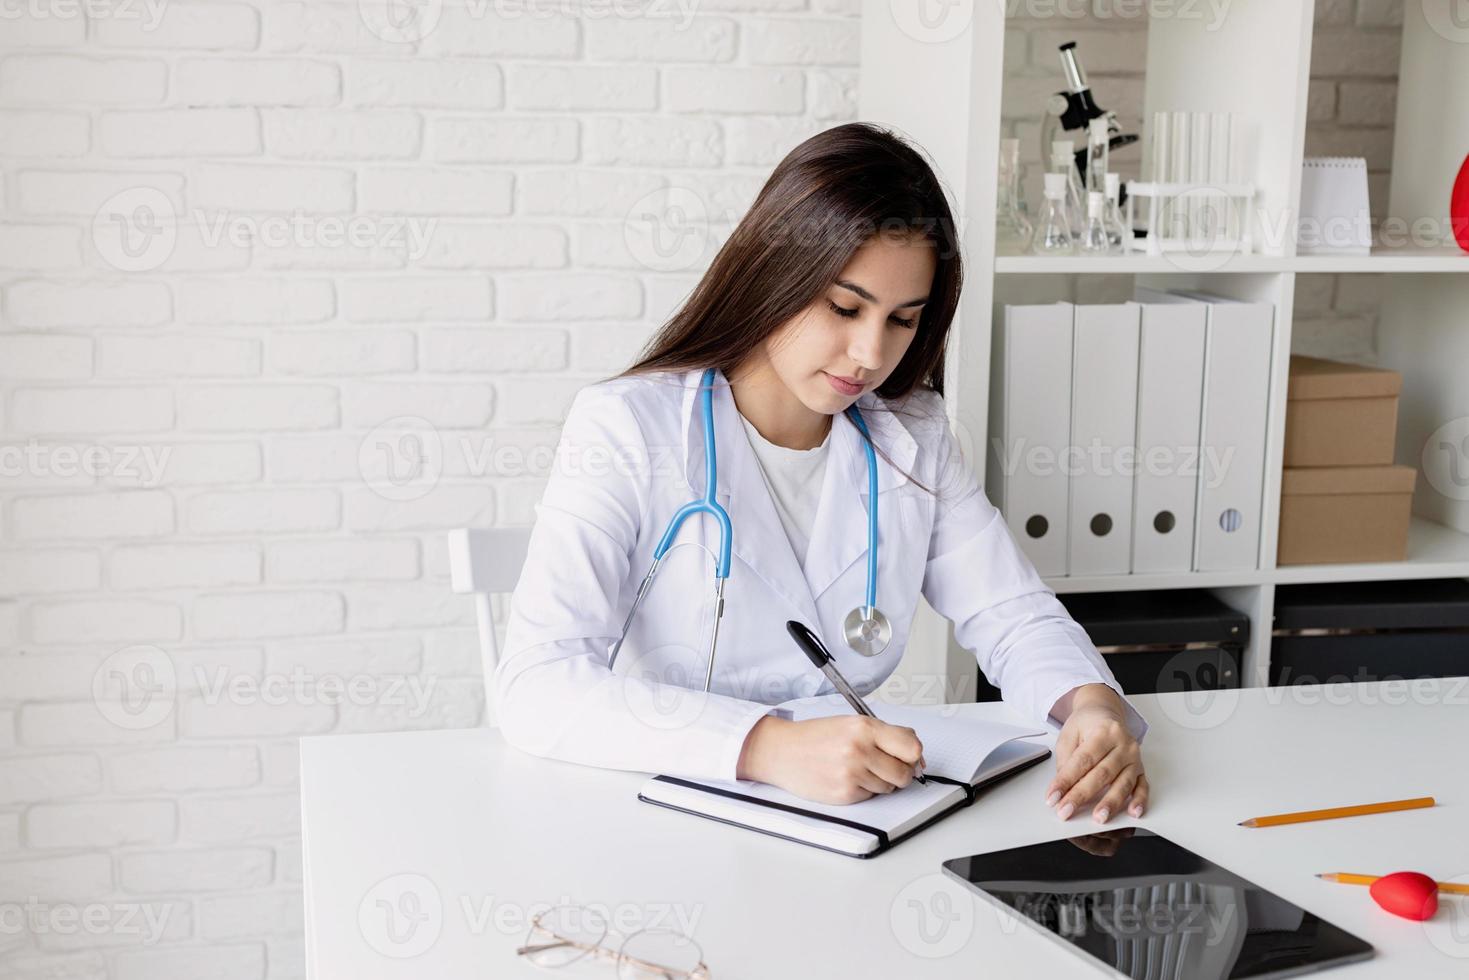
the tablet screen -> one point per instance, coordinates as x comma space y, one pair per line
1148, 907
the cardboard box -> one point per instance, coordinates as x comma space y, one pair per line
1340, 414
1345, 514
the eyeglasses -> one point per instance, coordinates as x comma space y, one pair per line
566, 934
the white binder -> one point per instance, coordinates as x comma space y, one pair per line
1030, 425
1103, 429
1231, 483
1170, 391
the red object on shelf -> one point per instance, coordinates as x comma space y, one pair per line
1459, 206
1407, 893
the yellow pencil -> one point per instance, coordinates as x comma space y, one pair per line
1337, 811
1350, 879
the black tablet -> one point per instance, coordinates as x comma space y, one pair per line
1147, 907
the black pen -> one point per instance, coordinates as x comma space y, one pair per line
821, 658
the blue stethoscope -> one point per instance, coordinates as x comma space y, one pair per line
865, 629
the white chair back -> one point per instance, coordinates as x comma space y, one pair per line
482, 563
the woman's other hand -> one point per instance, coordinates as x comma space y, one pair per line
1096, 756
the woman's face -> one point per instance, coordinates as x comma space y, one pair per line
852, 337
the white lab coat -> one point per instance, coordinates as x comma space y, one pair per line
631, 453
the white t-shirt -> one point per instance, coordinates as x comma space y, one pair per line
794, 477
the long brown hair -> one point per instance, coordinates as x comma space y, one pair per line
828, 197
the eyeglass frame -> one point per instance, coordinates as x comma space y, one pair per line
699, 972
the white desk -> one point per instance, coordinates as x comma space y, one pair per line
476, 833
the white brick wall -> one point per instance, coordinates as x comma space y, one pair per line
360, 230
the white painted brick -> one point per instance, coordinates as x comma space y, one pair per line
30, 779
196, 463
732, 90
206, 26
223, 820
832, 94
195, 870
336, 134
88, 965
359, 559
101, 825
340, 351
173, 356
84, 303
88, 410
606, 348
180, 133
255, 718
9, 627
417, 190
65, 878
843, 8
444, 507
584, 296
757, 141
289, 865
286, 957
1335, 12
197, 247
452, 653
130, 514
9, 835
314, 459
38, 26
55, 79
654, 141
182, 769
223, 917
511, 139
375, 656
256, 408
236, 615
414, 298
39, 247
272, 511
1320, 101
1101, 52
501, 31
453, 703
1313, 292
533, 401
234, 962
1356, 54
1375, 145
667, 293
405, 607
444, 84
282, 764
583, 193
85, 192
57, 570
366, 406
518, 499
256, 82
49, 676
1357, 294
39, 133
79, 723
662, 40
169, 566
807, 42
157, 921
1380, 13
1368, 103
325, 27
45, 358
532, 86
313, 191
32, 464
105, 621
211, 301
495, 349
495, 246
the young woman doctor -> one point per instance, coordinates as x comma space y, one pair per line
836, 289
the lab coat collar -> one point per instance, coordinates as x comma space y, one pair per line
839, 536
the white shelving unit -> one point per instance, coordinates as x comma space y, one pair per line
940, 84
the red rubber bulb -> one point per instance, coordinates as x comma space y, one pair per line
1407, 893
1459, 206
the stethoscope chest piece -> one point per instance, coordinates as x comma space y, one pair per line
867, 630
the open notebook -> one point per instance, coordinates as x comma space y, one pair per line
962, 755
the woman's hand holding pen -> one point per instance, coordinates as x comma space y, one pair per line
1096, 755
840, 759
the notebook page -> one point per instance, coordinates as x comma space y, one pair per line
954, 745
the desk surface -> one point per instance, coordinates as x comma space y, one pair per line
427, 852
